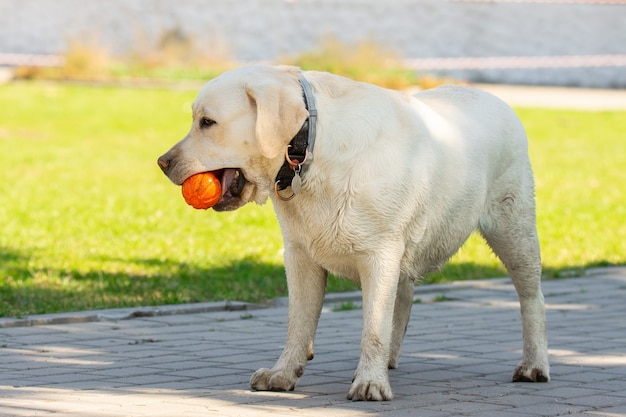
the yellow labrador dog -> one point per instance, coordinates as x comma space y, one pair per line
374, 185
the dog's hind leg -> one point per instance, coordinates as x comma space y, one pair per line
511, 232
401, 315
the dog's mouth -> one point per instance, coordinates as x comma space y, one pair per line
232, 181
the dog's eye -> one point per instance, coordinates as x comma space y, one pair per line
206, 122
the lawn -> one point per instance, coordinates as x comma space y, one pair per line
87, 220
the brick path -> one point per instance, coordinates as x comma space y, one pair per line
457, 358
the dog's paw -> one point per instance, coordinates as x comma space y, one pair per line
364, 389
273, 380
526, 373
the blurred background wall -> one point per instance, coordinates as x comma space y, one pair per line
577, 43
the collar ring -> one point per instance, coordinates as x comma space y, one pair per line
280, 196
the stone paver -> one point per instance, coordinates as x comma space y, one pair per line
457, 359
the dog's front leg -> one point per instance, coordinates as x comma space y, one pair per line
306, 282
379, 280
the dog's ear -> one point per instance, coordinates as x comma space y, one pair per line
280, 113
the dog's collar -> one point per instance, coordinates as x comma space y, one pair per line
300, 149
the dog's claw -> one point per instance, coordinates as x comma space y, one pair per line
363, 389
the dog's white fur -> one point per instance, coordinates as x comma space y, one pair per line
397, 185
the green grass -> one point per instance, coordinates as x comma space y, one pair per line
87, 220
442, 298
346, 306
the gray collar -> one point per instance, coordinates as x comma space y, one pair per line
309, 100
300, 150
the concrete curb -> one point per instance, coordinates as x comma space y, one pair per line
126, 313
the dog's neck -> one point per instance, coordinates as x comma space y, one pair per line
300, 149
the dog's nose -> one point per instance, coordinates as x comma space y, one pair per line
164, 163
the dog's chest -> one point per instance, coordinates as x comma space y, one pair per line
329, 238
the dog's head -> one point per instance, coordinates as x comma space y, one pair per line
243, 121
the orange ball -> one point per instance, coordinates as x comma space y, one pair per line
202, 191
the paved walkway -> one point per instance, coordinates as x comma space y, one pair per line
457, 358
